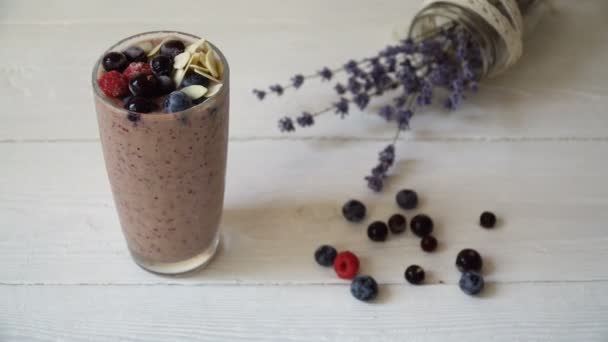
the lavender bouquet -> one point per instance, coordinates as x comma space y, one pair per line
443, 59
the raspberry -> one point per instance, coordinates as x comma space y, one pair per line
114, 84
137, 68
346, 265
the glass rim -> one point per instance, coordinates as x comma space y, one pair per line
100, 95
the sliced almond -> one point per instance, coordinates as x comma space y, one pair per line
194, 91
181, 60
192, 48
207, 75
213, 89
198, 67
157, 47
211, 63
146, 46
206, 47
178, 76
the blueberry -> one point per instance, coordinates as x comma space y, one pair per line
364, 288
144, 85
194, 78
414, 274
133, 117
487, 219
353, 211
428, 243
140, 104
135, 54
172, 48
165, 85
421, 225
471, 283
114, 61
177, 101
161, 65
377, 231
407, 199
397, 224
468, 260
325, 255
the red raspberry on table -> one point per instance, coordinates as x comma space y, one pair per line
137, 68
113, 84
346, 265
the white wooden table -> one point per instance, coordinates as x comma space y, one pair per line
531, 146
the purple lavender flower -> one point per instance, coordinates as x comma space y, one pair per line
353, 86
260, 94
400, 101
277, 88
375, 183
361, 100
352, 67
297, 81
340, 89
386, 112
341, 107
380, 170
305, 120
403, 118
387, 155
326, 74
286, 125
408, 46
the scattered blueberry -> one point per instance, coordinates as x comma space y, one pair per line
114, 61
377, 231
364, 288
195, 79
165, 84
468, 260
421, 225
471, 283
353, 211
414, 274
172, 48
487, 219
133, 117
161, 65
325, 255
428, 243
407, 199
397, 224
177, 102
140, 104
145, 85
135, 54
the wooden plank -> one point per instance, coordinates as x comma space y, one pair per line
46, 92
58, 225
510, 312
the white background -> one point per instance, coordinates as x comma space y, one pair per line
531, 146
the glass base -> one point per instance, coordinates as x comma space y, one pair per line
197, 261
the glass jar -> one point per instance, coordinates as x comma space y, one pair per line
497, 25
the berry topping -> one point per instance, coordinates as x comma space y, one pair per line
364, 288
428, 243
377, 231
397, 224
113, 84
487, 219
144, 85
471, 283
177, 102
469, 260
172, 48
414, 274
137, 68
135, 54
421, 225
165, 85
140, 104
353, 211
195, 79
407, 199
114, 61
325, 255
346, 265
162, 65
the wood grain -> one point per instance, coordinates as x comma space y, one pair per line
58, 223
522, 312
